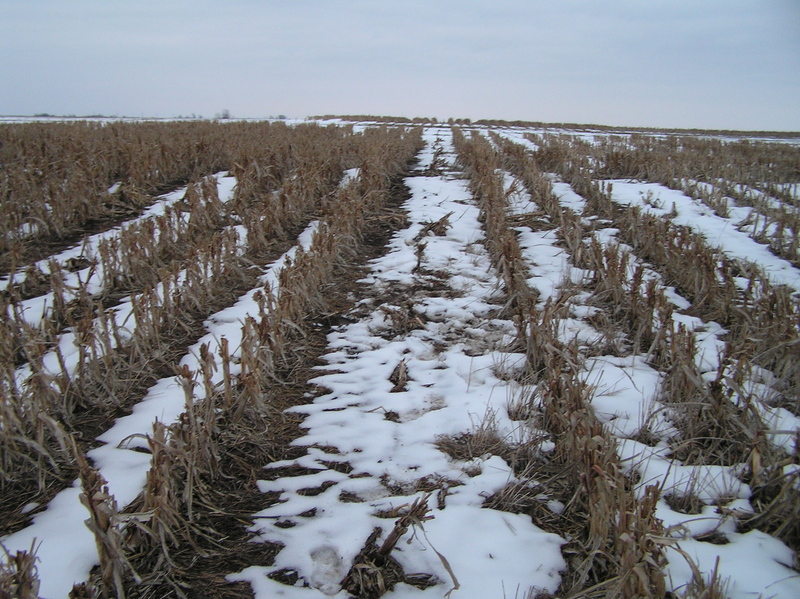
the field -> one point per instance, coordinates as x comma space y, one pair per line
362, 357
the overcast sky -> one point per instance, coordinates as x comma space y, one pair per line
674, 63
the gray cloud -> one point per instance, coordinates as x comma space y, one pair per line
724, 64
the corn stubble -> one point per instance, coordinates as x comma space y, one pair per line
612, 552
180, 267
617, 542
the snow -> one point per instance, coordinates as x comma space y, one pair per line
452, 362
517, 135
491, 553
719, 232
36, 309
754, 564
125, 470
64, 545
457, 359
566, 195
625, 392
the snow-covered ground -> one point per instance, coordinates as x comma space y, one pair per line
90, 278
719, 232
388, 435
61, 525
426, 356
397, 451
626, 400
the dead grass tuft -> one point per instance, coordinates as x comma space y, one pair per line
374, 571
18, 575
